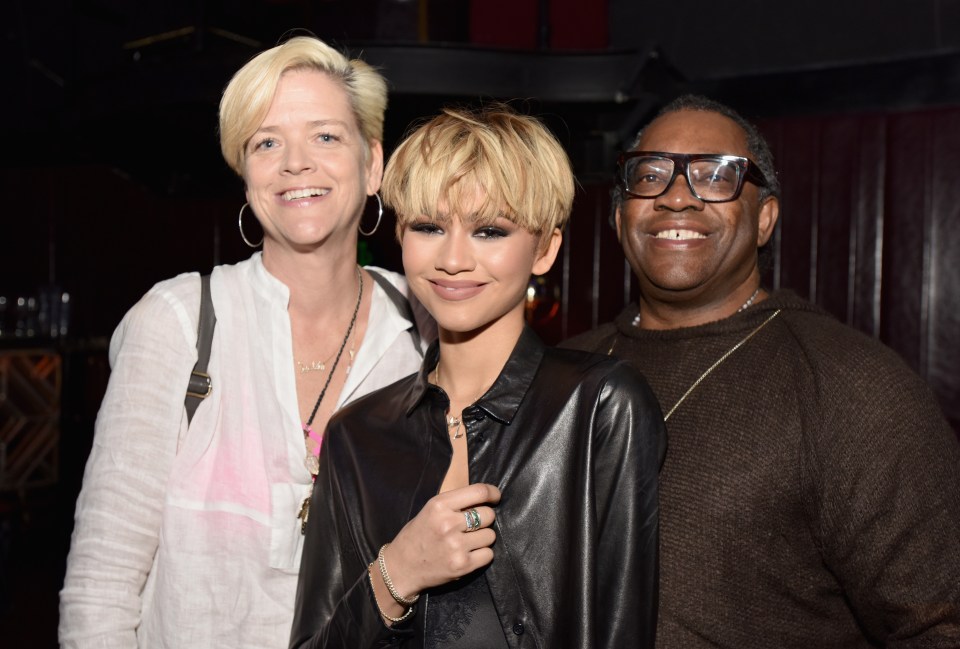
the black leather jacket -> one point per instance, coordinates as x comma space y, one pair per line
573, 440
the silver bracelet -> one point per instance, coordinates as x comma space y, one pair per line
393, 620
397, 597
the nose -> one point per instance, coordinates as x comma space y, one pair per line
678, 195
456, 253
297, 159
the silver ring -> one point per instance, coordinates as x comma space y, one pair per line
473, 520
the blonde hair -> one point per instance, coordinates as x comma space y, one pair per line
247, 98
518, 166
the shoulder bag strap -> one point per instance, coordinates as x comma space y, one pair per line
403, 306
200, 385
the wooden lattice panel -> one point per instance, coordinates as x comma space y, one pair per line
29, 418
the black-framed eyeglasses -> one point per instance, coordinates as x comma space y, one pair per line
712, 177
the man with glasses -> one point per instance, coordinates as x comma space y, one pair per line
810, 495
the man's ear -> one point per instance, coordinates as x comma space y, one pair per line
548, 253
616, 219
767, 221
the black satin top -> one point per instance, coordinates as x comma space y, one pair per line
573, 440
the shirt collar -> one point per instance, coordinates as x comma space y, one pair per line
502, 400
266, 285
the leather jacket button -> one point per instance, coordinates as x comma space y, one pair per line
481, 437
517, 629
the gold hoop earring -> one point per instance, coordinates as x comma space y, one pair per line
379, 216
240, 225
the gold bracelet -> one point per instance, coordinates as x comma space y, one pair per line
394, 593
393, 620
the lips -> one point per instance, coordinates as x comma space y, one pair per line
305, 192
456, 290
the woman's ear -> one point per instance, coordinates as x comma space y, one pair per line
375, 168
547, 252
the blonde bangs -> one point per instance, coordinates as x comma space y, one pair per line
510, 161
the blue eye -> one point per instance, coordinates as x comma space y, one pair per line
328, 138
266, 144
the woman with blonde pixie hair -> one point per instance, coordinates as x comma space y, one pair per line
506, 495
189, 532
250, 93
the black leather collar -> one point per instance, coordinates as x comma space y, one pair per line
506, 394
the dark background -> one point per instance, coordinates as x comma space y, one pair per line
111, 176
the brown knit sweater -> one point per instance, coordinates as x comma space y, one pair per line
810, 495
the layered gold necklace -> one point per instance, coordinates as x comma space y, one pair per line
312, 459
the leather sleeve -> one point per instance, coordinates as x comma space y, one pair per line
628, 439
335, 607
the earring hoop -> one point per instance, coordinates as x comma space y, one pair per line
240, 225
379, 216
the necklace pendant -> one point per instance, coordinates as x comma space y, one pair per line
312, 462
304, 514
315, 366
455, 422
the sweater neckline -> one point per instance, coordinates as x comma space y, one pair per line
741, 322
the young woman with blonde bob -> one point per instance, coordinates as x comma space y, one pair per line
190, 535
506, 495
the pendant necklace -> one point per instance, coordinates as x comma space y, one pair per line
312, 459
453, 422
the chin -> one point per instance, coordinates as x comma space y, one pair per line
462, 323
459, 327
676, 278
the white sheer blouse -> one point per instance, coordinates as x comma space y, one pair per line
190, 538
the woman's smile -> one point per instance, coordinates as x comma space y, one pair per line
309, 192
451, 289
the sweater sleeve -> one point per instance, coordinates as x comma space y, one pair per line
628, 436
118, 512
887, 471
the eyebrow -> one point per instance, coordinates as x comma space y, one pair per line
471, 218
314, 124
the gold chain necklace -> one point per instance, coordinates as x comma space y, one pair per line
719, 361
320, 366
313, 366
716, 364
